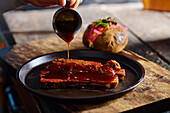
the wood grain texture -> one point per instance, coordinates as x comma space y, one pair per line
21, 53
155, 87
31, 27
147, 28
25, 20
145, 25
138, 47
152, 27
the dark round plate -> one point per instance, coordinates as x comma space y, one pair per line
28, 76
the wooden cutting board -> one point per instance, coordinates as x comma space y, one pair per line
155, 86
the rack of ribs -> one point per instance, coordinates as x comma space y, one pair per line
63, 73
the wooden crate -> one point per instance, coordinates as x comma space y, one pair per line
160, 5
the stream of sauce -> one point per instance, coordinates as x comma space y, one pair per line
67, 28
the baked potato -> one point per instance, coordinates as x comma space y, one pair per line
106, 35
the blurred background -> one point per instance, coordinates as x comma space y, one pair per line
6, 24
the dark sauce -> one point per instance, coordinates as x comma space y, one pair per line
67, 29
66, 24
84, 77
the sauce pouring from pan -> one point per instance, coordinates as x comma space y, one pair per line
67, 24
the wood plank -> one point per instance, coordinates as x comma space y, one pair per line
155, 87
138, 47
32, 49
134, 45
98, 12
23, 37
151, 27
36, 20
28, 22
108, 1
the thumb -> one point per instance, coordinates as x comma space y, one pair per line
62, 2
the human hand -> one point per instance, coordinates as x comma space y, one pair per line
50, 3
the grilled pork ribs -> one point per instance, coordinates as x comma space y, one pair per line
72, 72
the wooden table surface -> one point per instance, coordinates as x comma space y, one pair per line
148, 44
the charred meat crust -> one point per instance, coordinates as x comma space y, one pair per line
72, 72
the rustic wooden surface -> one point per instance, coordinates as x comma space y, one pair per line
153, 29
155, 86
148, 37
145, 37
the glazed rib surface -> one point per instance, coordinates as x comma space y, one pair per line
73, 72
